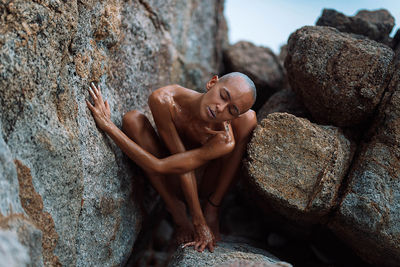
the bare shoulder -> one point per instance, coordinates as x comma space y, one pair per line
162, 94
244, 124
166, 94
247, 119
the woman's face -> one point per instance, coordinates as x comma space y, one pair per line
225, 100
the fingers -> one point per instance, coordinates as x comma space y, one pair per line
211, 247
90, 106
93, 95
94, 88
197, 245
202, 247
107, 105
189, 244
97, 92
211, 131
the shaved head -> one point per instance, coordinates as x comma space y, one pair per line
245, 78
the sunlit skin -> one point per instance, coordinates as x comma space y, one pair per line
194, 129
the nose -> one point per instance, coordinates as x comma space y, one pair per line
220, 107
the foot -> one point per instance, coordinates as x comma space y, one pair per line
212, 219
183, 233
183, 227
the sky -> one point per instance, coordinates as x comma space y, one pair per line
269, 23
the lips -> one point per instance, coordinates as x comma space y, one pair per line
211, 113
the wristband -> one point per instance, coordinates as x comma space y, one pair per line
212, 204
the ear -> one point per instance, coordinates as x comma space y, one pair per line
212, 82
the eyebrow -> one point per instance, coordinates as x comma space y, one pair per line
229, 96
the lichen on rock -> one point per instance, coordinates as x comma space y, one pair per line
64, 176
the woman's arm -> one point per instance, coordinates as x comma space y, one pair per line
175, 164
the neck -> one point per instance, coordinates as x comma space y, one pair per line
191, 104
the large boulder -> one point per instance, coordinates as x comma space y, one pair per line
340, 77
285, 100
227, 253
260, 64
376, 25
297, 166
60, 174
12, 252
368, 218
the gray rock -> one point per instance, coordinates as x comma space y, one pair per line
12, 252
297, 166
339, 77
260, 64
368, 218
62, 174
376, 25
282, 101
250, 263
226, 254
12, 214
9, 188
28, 235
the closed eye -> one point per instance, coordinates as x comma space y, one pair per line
222, 96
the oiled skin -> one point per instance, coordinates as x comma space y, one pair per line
193, 136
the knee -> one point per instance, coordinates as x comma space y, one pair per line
133, 121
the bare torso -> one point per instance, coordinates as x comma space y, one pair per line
193, 133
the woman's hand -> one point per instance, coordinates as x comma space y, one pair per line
100, 110
204, 238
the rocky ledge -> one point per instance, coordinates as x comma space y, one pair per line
227, 254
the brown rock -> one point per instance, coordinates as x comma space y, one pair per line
260, 64
339, 77
376, 25
297, 166
368, 218
283, 101
396, 48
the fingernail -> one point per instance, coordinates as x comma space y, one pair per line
92, 83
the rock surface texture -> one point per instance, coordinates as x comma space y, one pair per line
226, 254
286, 101
339, 77
67, 188
376, 25
368, 218
12, 252
297, 166
260, 64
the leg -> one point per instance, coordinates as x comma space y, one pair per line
137, 127
220, 174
